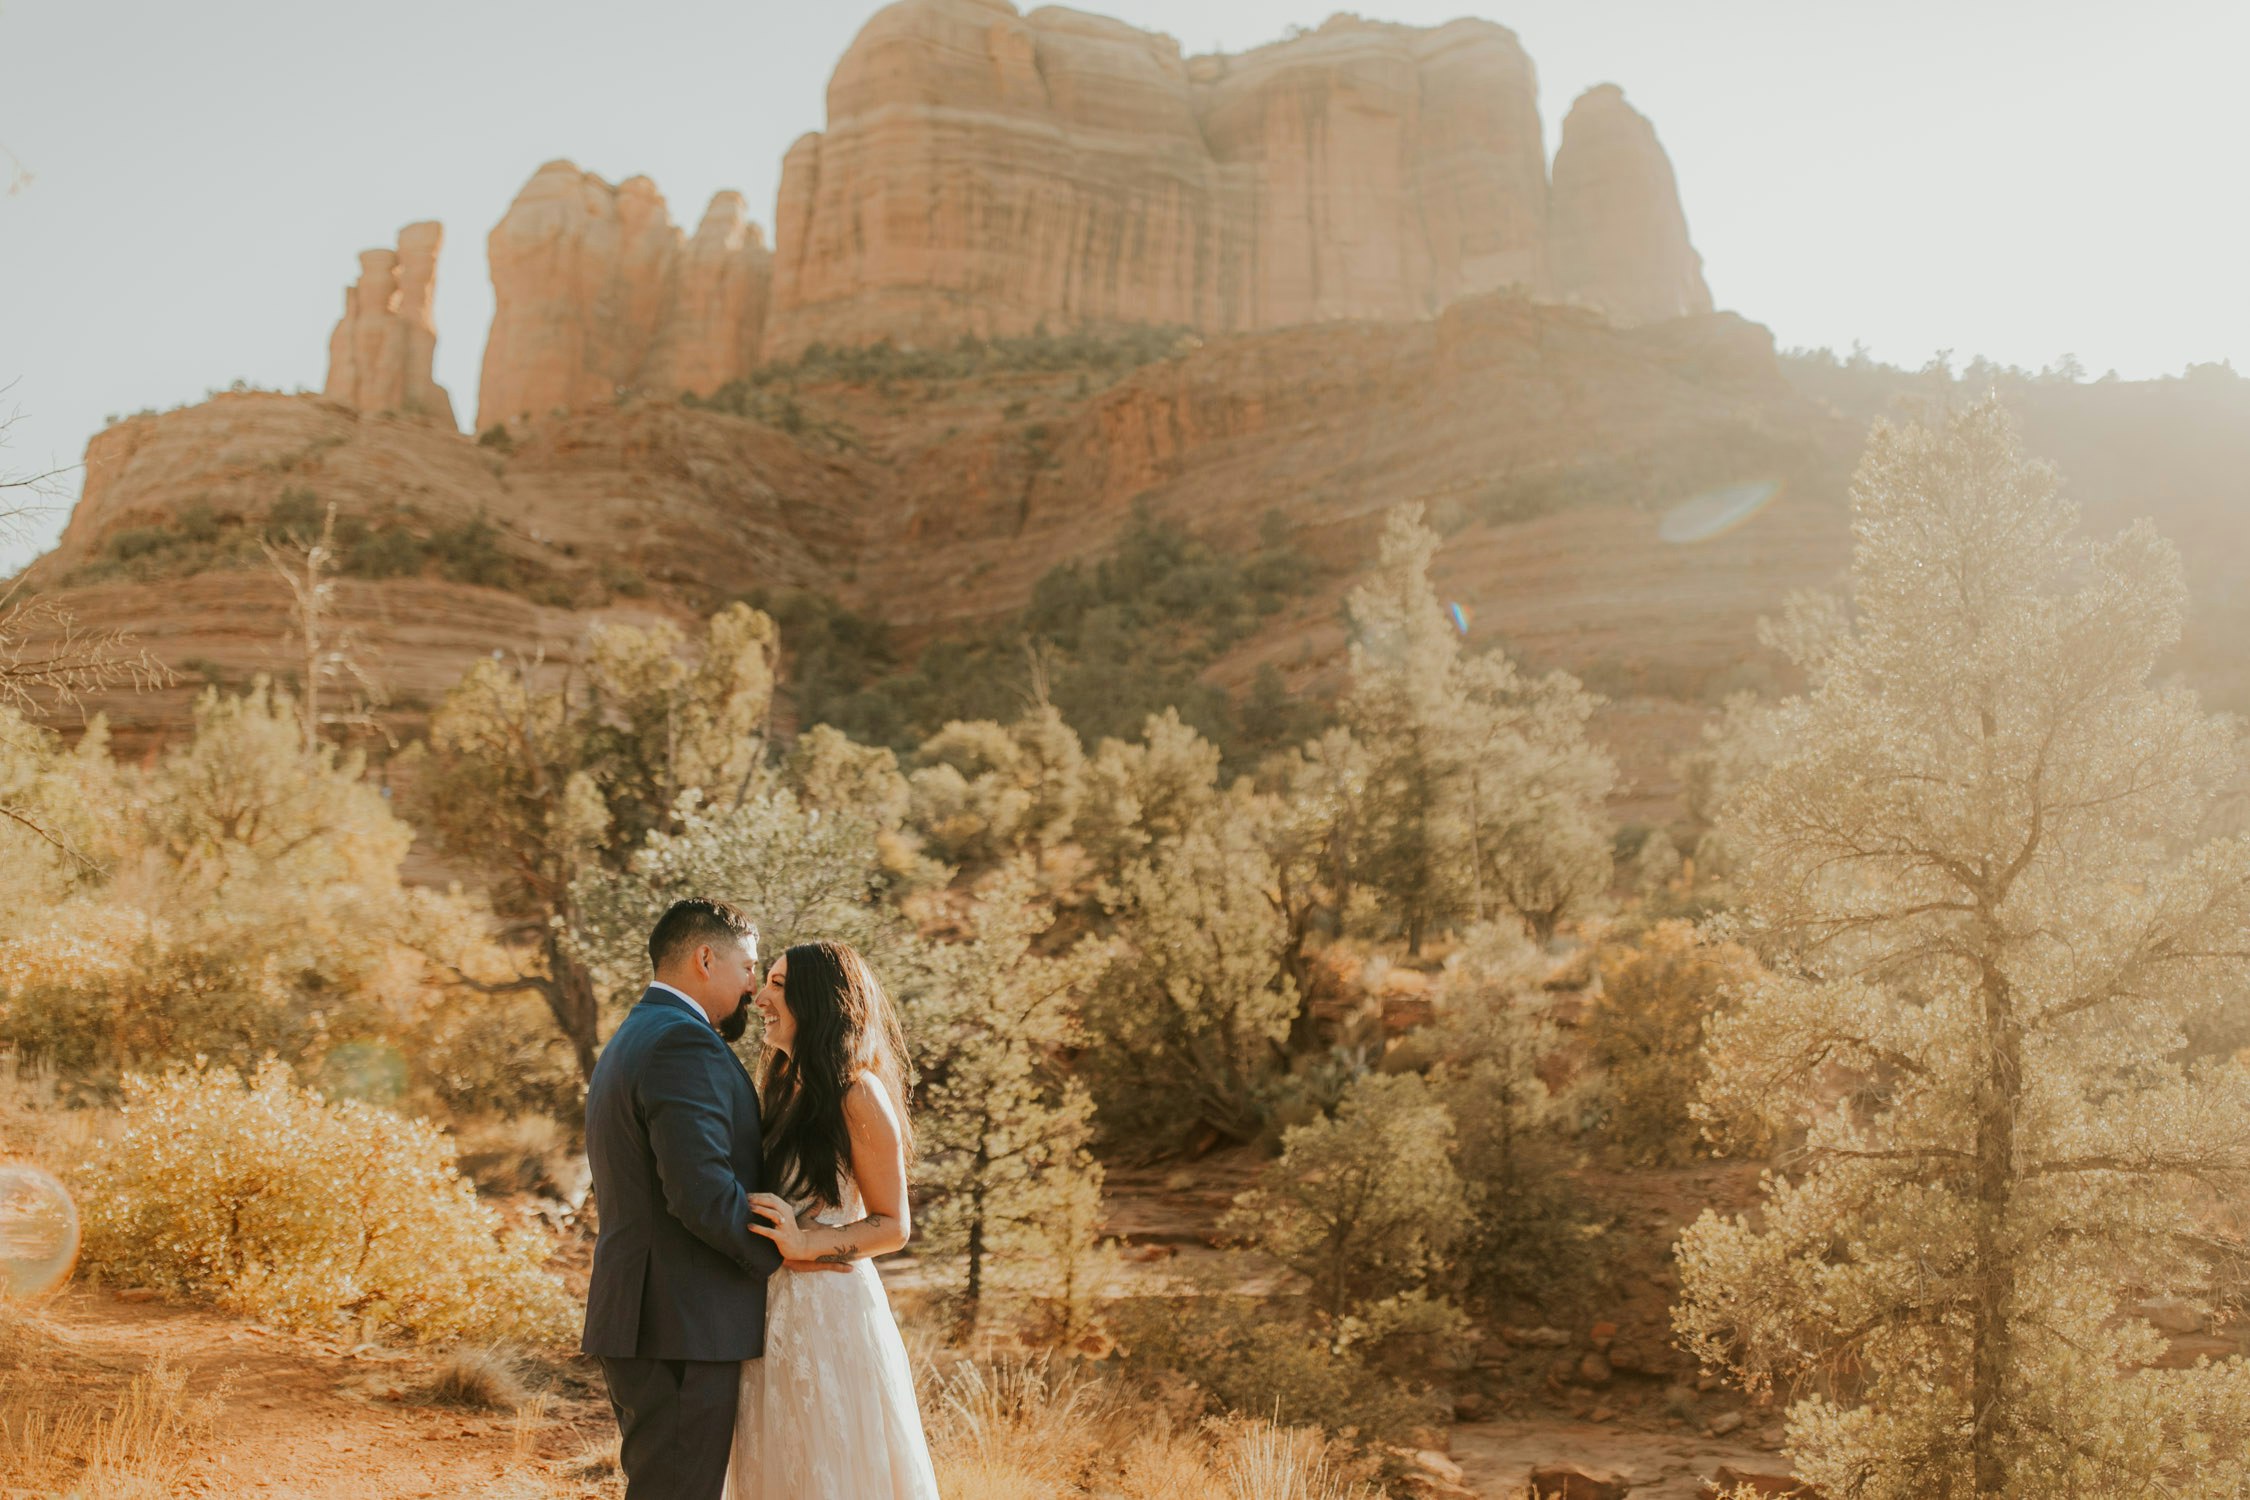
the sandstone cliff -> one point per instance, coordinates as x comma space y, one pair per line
984, 171
1546, 442
712, 329
596, 289
1619, 237
380, 355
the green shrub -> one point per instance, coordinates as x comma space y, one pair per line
471, 553
199, 524
497, 1055
274, 1203
139, 541
1112, 352
1530, 1237
1122, 638
1247, 1355
1646, 1028
296, 517
1367, 1205
391, 552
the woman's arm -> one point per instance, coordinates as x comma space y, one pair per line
878, 1167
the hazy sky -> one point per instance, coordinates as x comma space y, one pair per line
2017, 178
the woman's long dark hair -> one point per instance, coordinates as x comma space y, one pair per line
845, 1027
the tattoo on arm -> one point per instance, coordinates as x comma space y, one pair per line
849, 1249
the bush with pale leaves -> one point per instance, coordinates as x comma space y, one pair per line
274, 1203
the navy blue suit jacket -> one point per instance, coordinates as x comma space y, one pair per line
672, 1137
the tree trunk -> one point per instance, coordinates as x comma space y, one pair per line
1992, 1343
569, 993
1296, 966
972, 1291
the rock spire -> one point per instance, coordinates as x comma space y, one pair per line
381, 354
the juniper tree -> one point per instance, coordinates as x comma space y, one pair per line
541, 777
1016, 1194
1193, 1015
1480, 790
1980, 870
798, 872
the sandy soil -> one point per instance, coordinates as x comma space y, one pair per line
303, 1417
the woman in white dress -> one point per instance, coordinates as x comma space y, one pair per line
829, 1413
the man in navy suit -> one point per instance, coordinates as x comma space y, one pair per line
678, 1298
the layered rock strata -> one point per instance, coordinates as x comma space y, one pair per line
381, 354
1619, 239
984, 171
597, 290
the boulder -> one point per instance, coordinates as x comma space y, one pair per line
381, 354
1729, 1481
1617, 237
1537, 1338
1431, 1461
1570, 1482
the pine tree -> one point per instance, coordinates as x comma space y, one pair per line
1401, 708
1016, 1194
1980, 870
1481, 792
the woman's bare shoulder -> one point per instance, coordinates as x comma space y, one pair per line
868, 1102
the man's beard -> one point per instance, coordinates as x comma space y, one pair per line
737, 1023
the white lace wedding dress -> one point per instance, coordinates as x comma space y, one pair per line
829, 1413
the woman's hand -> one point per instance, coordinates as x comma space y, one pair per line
782, 1227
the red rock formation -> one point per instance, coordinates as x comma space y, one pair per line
718, 307
597, 290
1546, 444
381, 353
985, 171
1619, 239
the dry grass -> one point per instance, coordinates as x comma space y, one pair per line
475, 1380
53, 1441
1259, 1461
531, 1419
1045, 1430
520, 1154
1016, 1431
35, 1125
593, 1473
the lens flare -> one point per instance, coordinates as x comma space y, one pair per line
373, 1072
1460, 615
38, 1232
1714, 513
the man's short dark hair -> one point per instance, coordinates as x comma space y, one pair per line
688, 925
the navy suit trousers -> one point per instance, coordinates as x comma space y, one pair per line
676, 1421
